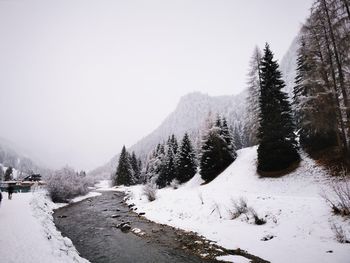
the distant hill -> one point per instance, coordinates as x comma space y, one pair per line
10, 155
193, 108
189, 116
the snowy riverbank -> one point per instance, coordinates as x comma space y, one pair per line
28, 233
298, 219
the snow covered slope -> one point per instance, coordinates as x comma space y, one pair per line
298, 219
11, 155
28, 234
188, 116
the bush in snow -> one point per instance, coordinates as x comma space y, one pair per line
66, 184
339, 199
216, 208
257, 220
239, 207
340, 234
150, 191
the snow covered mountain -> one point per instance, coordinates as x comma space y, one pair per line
10, 155
189, 116
288, 66
193, 108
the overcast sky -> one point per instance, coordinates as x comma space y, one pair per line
80, 78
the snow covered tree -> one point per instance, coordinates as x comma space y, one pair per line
216, 154
154, 164
123, 175
167, 172
278, 147
186, 162
136, 167
313, 105
8, 174
321, 95
65, 184
172, 142
251, 126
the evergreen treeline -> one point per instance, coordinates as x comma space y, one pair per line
319, 114
177, 162
172, 162
322, 86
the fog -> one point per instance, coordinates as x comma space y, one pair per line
80, 78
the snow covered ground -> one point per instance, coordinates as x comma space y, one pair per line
28, 234
297, 217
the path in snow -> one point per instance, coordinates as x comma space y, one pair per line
27, 233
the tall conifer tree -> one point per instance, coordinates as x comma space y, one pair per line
278, 146
186, 160
123, 175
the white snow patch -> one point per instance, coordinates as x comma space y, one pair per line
233, 258
28, 233
83, 197
297, 216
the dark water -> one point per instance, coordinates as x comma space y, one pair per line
89, 224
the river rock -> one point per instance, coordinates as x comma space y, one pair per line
115, 216
125, 228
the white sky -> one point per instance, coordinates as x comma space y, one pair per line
80, 78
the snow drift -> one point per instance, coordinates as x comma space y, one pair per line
298, 221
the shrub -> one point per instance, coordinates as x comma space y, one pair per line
340, 234
339, 198
216, 208
257, 219
239, 207
65, 184
150, 191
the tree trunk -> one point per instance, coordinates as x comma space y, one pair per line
339, 66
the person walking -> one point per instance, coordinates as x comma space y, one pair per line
0, 197
10, 190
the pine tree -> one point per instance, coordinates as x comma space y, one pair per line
173, 143
135, 167
216, 154
123, 175
251, 126
8, 174
186, 160
154, 163
168, 170
278, 146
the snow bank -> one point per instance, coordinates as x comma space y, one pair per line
297, 217
28, 234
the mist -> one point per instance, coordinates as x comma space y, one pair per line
79, 79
